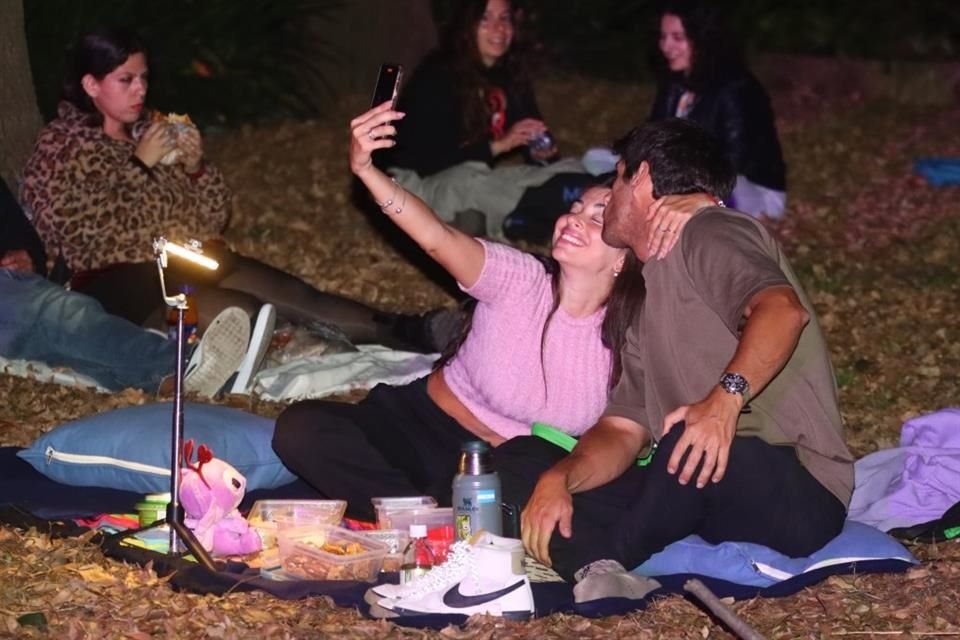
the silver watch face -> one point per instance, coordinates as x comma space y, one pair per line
734, 383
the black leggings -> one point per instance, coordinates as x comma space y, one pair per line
766, 497
132, 291
394, 442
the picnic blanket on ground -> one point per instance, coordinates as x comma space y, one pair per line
50, 506
311, 377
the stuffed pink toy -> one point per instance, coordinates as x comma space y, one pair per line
210, 493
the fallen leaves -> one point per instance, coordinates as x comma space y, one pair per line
875, 248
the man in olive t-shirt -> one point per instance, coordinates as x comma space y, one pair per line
725, 371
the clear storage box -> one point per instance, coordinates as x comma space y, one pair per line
439, 523
396, 542
269, 516
382, 506
326, 552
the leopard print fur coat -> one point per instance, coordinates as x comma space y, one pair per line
95, 205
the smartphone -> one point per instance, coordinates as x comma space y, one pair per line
388, 85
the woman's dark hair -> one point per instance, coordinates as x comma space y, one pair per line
97, 53
716, 52
459, 44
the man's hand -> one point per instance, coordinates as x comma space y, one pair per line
550, 505
17, 260
711, 425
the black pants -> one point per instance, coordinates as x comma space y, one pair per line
766, 497
132, 291
395, 442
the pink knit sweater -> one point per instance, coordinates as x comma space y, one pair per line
498, 373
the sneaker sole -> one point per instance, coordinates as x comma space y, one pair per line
259, 343
219, 353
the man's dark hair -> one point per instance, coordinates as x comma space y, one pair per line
683, 158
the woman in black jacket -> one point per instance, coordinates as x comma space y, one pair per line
472, 99
702, 76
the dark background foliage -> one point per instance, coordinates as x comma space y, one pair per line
227, 62
222, 61
615, 39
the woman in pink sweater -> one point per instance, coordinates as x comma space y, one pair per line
543, 345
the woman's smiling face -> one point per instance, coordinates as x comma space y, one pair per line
577, 234
495, 31
676, 48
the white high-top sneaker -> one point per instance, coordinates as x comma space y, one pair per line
485, 576
452, 570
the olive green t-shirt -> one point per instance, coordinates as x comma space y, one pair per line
689, 327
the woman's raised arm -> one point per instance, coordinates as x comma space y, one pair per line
461, 255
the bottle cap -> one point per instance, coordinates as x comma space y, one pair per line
418, 531
475, 458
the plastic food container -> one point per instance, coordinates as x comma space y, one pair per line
396, 542
385, 505
269, 516
439, 523
328, 552
152, 508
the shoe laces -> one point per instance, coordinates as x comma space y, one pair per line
458, 562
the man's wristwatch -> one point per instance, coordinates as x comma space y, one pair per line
735, 383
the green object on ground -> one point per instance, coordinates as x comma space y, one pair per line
567, 442
35, 619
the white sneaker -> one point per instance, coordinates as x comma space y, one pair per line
451, 571
219, 353
259, 343
482, 576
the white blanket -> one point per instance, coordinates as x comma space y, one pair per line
325, 375
313, 377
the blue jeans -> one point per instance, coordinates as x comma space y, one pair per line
42, 321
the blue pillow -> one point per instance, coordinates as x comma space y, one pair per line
129, 448
755, 565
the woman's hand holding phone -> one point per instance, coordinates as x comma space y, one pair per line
371, 131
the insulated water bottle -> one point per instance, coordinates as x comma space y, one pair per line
476, 492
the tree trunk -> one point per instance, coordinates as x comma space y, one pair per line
19, 115
366, 33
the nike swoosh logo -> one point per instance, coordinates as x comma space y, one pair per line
456, 600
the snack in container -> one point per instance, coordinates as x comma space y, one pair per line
328, 552
396, 541
270, 516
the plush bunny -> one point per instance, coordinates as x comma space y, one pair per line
210, 493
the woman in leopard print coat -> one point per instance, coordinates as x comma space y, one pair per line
103, 183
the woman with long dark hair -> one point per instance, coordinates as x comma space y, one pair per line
543, 345
106, 178
472, 99
703, 77
470, 104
